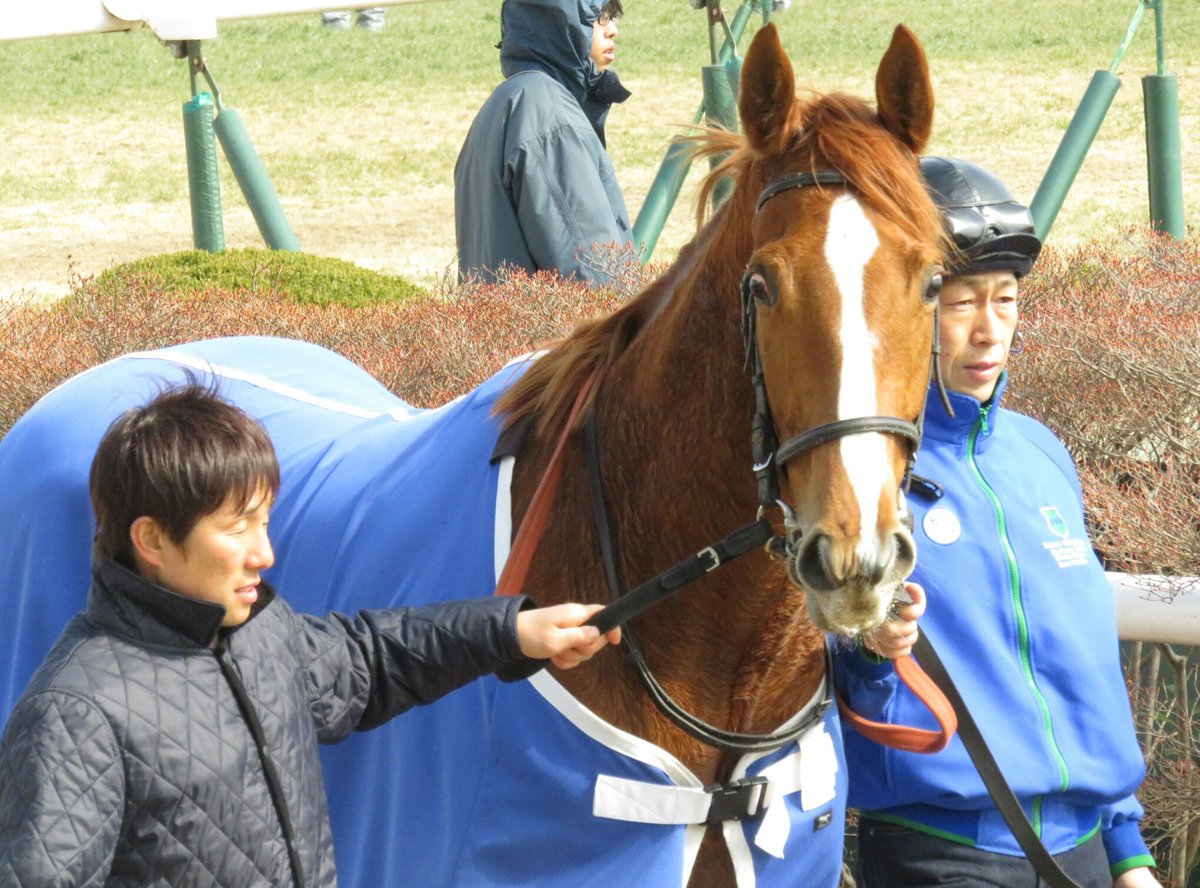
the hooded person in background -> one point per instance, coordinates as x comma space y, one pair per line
534, 187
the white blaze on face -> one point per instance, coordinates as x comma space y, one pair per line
850, 241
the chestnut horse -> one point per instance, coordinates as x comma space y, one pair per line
812, 276
837, 274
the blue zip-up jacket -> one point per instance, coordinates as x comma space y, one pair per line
534, 188
1020, 611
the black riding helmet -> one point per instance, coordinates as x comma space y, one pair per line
991, 230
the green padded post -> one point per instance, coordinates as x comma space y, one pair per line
733, 71
720, 107
661, 197
252, 178
204, 185
1163, 159
673, 170
1080, 134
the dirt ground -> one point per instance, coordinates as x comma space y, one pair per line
84, 203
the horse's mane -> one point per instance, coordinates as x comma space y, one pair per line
548, 388
840, 132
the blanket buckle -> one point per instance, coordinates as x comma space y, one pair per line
740, 799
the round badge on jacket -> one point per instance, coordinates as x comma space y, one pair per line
941, 525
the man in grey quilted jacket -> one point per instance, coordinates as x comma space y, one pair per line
170, 735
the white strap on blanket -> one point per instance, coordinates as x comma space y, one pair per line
809, 769
632, 800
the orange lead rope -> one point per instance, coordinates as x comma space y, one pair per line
903, 737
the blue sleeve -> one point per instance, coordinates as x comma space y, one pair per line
1123, 842
562, 204
1047, 442
866, 683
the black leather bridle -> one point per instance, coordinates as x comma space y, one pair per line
768, 457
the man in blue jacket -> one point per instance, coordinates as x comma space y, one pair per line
1011, 595
534, 187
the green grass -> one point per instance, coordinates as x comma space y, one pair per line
306, 279
359, 132
438, 47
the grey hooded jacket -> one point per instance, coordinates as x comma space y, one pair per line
534, 187
154, 748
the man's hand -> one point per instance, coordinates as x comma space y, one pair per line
557, 633
895, 638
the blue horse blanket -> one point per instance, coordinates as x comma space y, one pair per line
382, 504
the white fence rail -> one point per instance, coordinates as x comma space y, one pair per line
1157, 609
169, 19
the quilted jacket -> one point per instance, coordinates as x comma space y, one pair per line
153, 747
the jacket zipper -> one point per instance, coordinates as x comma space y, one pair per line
1018, 606
274, 786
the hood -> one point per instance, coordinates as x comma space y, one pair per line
553, 36
604, 91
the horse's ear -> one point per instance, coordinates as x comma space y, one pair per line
768, 91
903, 92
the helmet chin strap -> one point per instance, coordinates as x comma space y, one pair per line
935, 365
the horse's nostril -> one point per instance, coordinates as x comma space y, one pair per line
906, 550
811, 564
874, 570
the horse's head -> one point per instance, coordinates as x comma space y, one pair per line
839, 296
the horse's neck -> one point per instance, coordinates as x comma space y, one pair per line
674, 413
692, 347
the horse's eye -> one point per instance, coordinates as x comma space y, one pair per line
933, 288
759, 290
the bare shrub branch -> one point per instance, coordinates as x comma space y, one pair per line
1112, 364
426, 351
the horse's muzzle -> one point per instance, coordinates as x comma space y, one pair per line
849, 591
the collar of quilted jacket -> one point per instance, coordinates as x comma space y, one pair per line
127, 603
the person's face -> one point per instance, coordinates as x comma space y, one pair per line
978, 320
604, 45
221, 560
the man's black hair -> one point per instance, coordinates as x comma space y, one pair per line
612, 9
182, 456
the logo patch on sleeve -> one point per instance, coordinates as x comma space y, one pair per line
1054, 521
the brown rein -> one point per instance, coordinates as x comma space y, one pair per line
904, 737
529, 534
